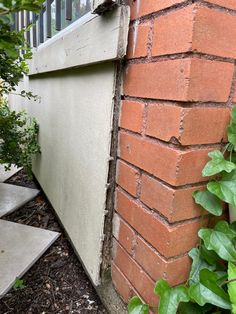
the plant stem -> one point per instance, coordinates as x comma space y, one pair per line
228, 281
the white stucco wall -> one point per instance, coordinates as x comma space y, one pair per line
75, 118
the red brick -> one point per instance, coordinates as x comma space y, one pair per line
135, 274
173, 32
127, 177
164, 121
144, 7
195, 28
172, 165
175, 205
122, 285
189, 79
168, 240
138, 40
124, 234
224, 3
234, 96
132, 115
215, 33
188, 125
175, 270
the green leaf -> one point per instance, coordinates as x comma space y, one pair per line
219, 242
233, 114
193, 308
217, 164
211, 257
232, 286
136, 306
209, 291
19, 284
225, 189
225, 228
170, 298
231, 130
208, 201
197, 265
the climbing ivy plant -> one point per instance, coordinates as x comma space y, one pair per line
211, 287
18, 133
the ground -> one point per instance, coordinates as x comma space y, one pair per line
57, 282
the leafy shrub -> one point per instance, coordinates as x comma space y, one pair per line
18, 133
18, 138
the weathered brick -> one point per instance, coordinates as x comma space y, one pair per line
175, 270
167, 163
135, 274
224, 3
166, 239
214, 33
189, 79
138, 40
144, 7
203, 125
173, 32
122, 285
127, 177
195, 28
175, 205
131, 117
123, 233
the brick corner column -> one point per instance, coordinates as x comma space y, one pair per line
179, 86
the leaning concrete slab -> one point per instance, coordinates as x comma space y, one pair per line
12, 197
20, 247
4, 175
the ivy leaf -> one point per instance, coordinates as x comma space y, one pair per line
231, 130
170, 298
208, 201
220, 242
209, 291
232, 285
136, 306
217, 164
225, 189
211, 257
225, 228
233, 114
197, 265
193, 308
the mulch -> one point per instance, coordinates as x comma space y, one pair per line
56, 283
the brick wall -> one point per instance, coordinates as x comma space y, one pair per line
178, 87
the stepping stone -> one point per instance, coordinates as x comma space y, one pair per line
20, 247
12, 197
4, 175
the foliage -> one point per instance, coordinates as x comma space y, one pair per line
18, 138
19, 284
18, 134
12, 61
211, 287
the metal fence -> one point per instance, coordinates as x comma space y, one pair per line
54, 16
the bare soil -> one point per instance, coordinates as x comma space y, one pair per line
57, 282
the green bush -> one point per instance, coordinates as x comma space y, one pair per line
18, 133
18, 138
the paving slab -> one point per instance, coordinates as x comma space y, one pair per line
12, 197
4, 175
20, 247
